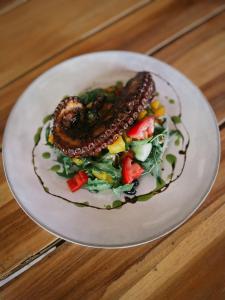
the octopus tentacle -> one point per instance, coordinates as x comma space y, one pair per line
75, 139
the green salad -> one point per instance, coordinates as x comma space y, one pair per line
119, 166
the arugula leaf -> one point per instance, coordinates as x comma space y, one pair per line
107, 167
122, 188
68, 167
152, 163
63, 174
91, 96
96, 185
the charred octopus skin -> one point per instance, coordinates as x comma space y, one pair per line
77, 138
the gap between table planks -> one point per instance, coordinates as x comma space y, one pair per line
65, 22
189, 13
144, 272
129, 34
11, 210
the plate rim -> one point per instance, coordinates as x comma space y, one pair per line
114, 246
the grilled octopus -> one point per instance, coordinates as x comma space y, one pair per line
77, 138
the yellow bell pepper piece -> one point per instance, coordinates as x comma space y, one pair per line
77, 161
117, 146
155, 104
142, 114
102, 176
160, 111
50, 139
127, 138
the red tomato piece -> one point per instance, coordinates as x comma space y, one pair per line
130, 170
143, 129
77, 181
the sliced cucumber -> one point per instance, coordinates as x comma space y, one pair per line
142, 152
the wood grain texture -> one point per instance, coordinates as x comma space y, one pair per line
35, 31
140, 39
141, 31
204, 236
144, 272
200, 56
203, 278
7, 5
20, 237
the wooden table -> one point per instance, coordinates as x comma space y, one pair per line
190, 262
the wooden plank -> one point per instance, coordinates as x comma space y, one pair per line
205, 236
7, 5
45, 28
142, 31
204, 278
83, 273
200, 56
11, 92
214, 200
20, 237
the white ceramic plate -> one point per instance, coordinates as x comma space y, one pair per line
132, 224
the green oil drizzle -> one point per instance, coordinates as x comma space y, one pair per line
117, 204
108, 206
82, 204
178, 135
170, 176
46, 189
37, 135
171, 160
161, 186
176, 119
55, 168
46, 155
47, 118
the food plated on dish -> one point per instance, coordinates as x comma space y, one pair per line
108, 138
170, 138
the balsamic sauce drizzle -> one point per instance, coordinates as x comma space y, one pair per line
127, 199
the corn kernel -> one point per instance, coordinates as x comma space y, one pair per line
160, 111
155, 104
142, 114
77, 161
50, 139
